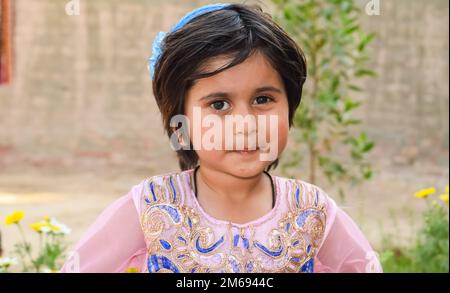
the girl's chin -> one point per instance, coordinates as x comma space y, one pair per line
246, 168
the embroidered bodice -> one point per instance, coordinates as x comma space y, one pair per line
181, 237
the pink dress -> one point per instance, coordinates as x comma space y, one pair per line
159, 226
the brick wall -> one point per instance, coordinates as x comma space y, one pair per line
82, 95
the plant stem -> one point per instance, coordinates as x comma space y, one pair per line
25, 243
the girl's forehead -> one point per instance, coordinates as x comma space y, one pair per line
255, 71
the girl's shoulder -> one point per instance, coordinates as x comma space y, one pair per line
302, 194
167, 187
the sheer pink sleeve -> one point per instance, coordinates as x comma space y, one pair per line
344, 248
114, 242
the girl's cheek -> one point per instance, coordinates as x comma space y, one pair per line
204, 128
283, 129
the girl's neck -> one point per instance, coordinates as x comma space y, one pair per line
229, 188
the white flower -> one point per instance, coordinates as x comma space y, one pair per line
6, 262
45, 229
59, 228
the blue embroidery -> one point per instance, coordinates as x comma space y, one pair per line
153, 191
173, 190
173, 212
308, 266
244, 241
234, 265
301, 219
155, 262
236, 240
249, 267
288, 226
269, 252
246, 244
166, 245
297, 199
208, 249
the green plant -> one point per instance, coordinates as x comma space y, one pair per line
335, 47
52, 245
429, 252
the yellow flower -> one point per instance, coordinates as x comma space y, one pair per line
424, 193
54, 228
132, 270
446, 188
14, 218
57, 227
38, 226
444, 197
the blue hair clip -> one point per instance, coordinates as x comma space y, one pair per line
158, 44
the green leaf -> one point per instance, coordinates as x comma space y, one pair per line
288, 14
365, 40
354, 88
364, 72
350, 104
352, 122
368, 146
335, 83
367, 172
350, 30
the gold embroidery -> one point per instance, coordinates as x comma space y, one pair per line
178, 240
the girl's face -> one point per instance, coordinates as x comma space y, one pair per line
251, 88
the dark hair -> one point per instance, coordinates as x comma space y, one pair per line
237, 30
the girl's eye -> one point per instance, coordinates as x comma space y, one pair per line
263, 100
220, 105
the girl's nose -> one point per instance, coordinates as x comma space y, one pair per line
246, 128
247, 123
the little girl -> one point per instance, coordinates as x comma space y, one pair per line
224, 212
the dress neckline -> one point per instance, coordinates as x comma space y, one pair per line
215, 220
267, 173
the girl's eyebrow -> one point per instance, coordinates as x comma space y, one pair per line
268, 88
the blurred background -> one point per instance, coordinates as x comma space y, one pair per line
79, 125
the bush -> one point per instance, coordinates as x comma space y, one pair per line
429, 253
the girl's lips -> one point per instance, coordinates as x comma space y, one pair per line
246, 151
